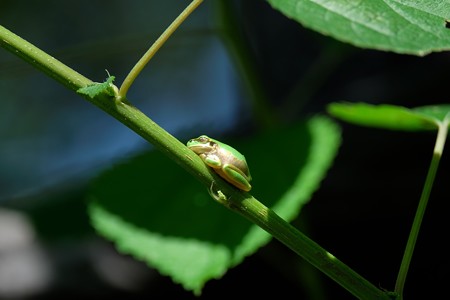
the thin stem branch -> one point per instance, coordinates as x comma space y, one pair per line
140, 65
407, 256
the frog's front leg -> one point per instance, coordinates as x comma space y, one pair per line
212, 160
235, 176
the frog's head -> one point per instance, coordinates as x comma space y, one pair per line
202, 144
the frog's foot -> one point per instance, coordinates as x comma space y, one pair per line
218, 195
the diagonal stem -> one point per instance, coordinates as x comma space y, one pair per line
140, 65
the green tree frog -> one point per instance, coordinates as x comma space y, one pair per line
225, 160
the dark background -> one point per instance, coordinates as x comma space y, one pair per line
52, 144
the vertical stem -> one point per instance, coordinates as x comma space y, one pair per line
155, 47
239, 48
331, 55
407, 256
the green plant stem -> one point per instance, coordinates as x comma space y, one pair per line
407, 256
42, 61
306, 248
140, 65
238, 201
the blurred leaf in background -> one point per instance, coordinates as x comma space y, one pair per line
152, 211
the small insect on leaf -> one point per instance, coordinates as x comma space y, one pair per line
447, 24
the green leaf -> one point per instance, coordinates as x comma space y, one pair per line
97, 88
403, 26
391, 116
152, 209
437, 112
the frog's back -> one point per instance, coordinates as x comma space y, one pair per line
237, 159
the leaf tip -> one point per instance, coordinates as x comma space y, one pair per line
93, 90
